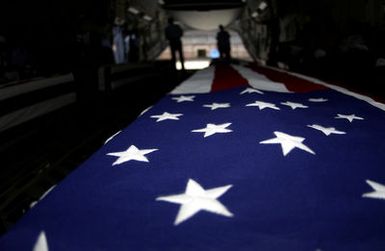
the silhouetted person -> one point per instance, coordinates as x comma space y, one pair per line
174, 34
118, 41
223, 43
134, 46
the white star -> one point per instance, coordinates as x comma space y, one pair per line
263, 105
294, 105
132, 153
195, 199
318, 100
378, 193
326, 130
167, 115
251, 90
215, 106
145, 110
350, 117
110, 138
211, 129
41, 243
42, 197
184, 98
288, 142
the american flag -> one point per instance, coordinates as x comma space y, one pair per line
235, 158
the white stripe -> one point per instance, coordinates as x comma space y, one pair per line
42, 197
200, 82
33, 111
259, 81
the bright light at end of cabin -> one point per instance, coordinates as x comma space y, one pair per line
193, 64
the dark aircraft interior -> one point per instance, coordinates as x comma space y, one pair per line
64, 89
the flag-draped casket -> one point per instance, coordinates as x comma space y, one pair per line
235, 158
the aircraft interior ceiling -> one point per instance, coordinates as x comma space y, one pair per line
264, 25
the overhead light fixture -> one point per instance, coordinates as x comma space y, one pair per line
133, 10
254, 14
119, 21
147, 18
262, 5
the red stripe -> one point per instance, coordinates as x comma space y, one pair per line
292, 83
297, 84
226, 77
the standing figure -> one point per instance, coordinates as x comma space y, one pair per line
134, 45
173, 34
223, 43
118, 41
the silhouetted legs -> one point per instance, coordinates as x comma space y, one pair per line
177, 47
